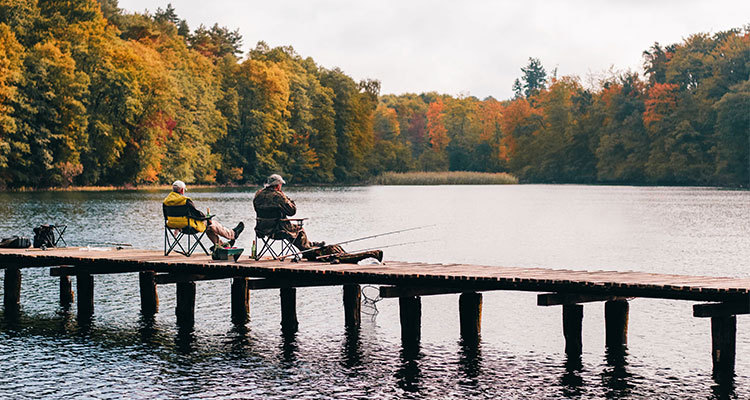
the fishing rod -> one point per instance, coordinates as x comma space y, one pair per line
372, 248
355, 240
89, 243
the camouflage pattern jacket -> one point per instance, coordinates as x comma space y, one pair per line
271, 206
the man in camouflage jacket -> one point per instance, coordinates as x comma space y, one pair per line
272, 206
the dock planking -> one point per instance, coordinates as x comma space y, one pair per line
459, 276
408, 281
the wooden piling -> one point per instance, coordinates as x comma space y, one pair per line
66, 292
470, 315
723, 340
616, 323
240, 301
572, 328
185, 309
410, 313
12, 290
352, 306
288, 309
85, 289
149, 295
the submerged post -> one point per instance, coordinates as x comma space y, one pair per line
723, 342
410, 313
66, 292
85, 288
352, 306
470, 315
149, 295
12, 288
572, 328
288, 309
185, 309
616, 323
240, 301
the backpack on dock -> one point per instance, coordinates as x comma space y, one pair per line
15, 242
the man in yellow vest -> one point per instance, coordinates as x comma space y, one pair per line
177, 207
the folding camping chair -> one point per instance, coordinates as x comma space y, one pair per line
174, 234
279, 244
49, 236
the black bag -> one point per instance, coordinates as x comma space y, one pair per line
15, 242
44, 236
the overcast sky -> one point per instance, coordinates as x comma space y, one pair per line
469, 47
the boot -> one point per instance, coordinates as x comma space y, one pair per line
237, 230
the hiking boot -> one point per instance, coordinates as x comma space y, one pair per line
237, 230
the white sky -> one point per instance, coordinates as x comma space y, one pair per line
474, 47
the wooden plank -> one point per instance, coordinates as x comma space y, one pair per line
399, 291
720, 309
556, 299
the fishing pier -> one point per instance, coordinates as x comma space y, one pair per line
721, 299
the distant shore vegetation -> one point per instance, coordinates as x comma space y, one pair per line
93, 95
445, 178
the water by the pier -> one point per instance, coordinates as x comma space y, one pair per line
699, 231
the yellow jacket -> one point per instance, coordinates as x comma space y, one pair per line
177, 208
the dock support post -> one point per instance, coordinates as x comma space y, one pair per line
85, 289
616, 323
723, 340
288, 309
470, 315
572, 327
185, 309
240, 301
149, 295
410, 313
352, 306
12, 288
66, 292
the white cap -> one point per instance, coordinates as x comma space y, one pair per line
178, 186
274, 180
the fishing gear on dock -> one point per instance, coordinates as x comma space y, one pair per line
355, 240
322, 256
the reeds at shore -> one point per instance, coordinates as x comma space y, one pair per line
445, 178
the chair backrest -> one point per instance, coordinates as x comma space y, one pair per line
267, 221
177, 214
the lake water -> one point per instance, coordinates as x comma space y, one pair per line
701, 231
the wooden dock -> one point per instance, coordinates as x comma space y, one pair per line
723, 298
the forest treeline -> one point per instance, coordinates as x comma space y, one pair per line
94, 95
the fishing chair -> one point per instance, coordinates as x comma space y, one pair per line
194, 229
278, 244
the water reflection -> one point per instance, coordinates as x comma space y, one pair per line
185, 340
470, 361
724, 387
239, 340
615, 376
408, 374
289, 347
572, 379
352, 351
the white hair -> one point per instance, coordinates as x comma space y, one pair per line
178, 186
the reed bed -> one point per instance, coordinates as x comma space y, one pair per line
445, 178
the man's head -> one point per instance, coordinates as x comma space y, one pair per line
275, 180
179, 187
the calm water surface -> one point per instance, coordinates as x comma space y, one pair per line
669, 230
